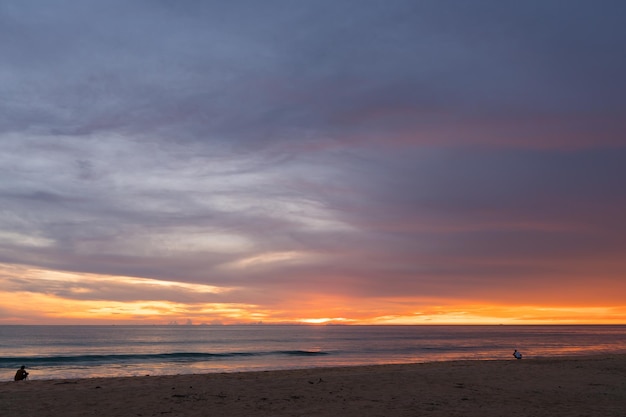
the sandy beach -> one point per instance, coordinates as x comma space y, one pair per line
589, 386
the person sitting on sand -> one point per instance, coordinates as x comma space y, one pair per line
21, 374
517, 354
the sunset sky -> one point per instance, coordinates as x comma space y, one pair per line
314, 161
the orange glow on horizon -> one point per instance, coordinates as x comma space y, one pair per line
56, 310
55, 297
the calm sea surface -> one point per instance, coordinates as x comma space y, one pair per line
90, 351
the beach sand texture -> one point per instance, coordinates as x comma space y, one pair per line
572, 387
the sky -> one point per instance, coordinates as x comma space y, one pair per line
312, 161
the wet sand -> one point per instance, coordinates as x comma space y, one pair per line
578, 386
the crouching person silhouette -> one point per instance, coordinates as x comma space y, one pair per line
21, 374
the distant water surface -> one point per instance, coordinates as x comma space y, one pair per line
95, 351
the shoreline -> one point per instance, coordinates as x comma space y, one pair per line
591, 357
562, 386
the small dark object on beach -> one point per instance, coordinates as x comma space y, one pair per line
21, 374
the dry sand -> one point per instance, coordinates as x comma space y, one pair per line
572, 387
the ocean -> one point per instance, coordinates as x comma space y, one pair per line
51, 352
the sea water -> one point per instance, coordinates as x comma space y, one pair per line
105, 351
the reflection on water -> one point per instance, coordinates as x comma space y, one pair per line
89, 351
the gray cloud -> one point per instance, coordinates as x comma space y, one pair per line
500, 72
352, 147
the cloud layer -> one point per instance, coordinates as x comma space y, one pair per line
356, 160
